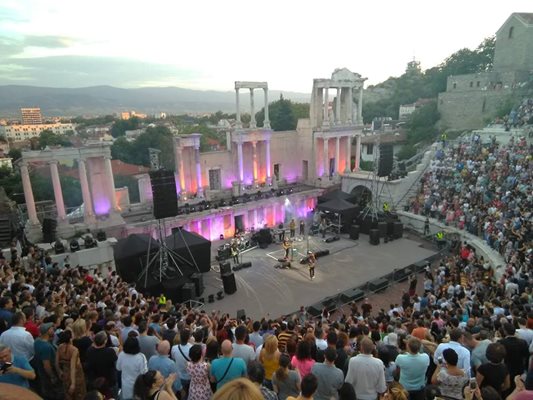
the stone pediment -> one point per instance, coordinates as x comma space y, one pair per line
344, 74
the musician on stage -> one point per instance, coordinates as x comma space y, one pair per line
235, 251
311, 263
287, 247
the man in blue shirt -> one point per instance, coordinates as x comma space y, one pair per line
20, 370
413, 366
227, 368
161, 362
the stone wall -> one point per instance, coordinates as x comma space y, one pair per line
514, 46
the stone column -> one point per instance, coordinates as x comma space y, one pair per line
183, 189
85, 191
347, 167
111, 183
58, 194
338, 107
238, 123
199, 188
326, 107
28, 194
326, 158
337, 155
267, 160
266, 124
254, 160
240, 161
252, 110
349, 106
357, 152
360, 107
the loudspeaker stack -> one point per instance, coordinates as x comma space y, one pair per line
374, 237
228, 281
354, 232
385, 159
164, 194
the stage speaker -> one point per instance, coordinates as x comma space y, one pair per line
321, 253
101, 236
265, 237
354, 232
402, 274
241, 315
397, 229
211, 298
228, 281
382, 227
315, 310
330, 303
374, 236
378, 285
385, 159
352, 295
420, 266
164, 194
245, 265
225, 268
187, 292
332, 239
49, 230
198, 281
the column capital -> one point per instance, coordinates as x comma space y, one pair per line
53, 162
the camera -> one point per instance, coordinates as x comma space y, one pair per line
473, 383
5, 366
440, 360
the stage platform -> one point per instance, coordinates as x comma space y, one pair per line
264, 289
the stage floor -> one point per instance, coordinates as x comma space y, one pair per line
264, 289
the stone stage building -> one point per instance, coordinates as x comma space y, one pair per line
314, 156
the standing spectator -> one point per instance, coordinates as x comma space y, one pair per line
255, 336
100, 366
366, 373
412, 367
449, 377
309, 386
30, 324
17, 338
239, 389
132, 363
330, 378
127, 321
256, 373
198, 370
6, 313
152, 386
285, 335
494, 373
302, 360
517, 351
69, 367
180, 354
162, 363
456, 336
169, 333
20, 371
147, 343
292, 228
227, 368
82, 339
286, 382
477, 347
269, 358
44, 363
240, 349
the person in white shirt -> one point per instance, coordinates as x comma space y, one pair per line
456, 336
17, 338
524, 332
180, 355
366, 373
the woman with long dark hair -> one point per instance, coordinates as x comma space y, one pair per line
286, 382
302, 360
152, 386
70, 369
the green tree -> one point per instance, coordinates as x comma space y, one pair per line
120, 126
15, 154
282, 114
133, 187
49, 138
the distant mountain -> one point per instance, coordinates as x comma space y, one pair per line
97, 100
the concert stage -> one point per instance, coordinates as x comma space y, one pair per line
265, 289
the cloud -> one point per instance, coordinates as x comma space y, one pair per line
51, 42
82, 71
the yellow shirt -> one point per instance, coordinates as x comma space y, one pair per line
270, 365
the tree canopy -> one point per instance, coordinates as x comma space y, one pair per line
120, 126
283, 114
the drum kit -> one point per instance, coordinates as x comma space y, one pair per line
241, 242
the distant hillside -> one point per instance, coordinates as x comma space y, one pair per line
107, 99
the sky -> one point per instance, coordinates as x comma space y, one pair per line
209, 44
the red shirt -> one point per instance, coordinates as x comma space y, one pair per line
32, 328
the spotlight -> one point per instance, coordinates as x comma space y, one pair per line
220, 295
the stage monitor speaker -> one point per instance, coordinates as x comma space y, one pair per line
245, 265
101, 236
198, 281
164, 194
330, 303
225, 268
354, 232
397, 229
378, 285
241, 315
228, 281
385, 159
352, 295
49, 230
321, 253
332, 239
187, 292
315, 310
211, 298
402, 274
374, 237
420, 266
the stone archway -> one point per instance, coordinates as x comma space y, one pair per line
363, 195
